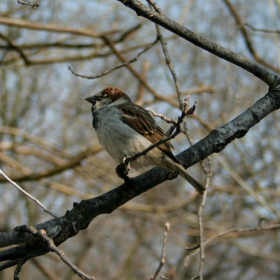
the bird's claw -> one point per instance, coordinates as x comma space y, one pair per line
122, 169
172, 175
126, 164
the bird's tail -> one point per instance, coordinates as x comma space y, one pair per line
198, 186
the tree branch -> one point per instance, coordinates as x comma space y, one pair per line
117, 67
16, 48
53, 27
246, 37
164, 21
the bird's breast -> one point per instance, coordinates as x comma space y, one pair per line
119, 139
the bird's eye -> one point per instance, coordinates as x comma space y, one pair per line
99, 96
102, 95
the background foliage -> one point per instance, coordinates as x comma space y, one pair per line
48, 146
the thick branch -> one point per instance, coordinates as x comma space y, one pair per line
164, 21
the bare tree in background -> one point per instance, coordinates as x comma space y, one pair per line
224, 54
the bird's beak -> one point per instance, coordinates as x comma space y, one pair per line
91, 99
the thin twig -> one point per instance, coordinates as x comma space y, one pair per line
233, 230
193, 247
200, 220
20, 23
34, 6
42, 233
246, 36
257, 196
262, 29
200, 216
163, 117
166, 55
185, 112
142, 80
155, 6
170, 66
16, 48
128, 33
140, 91
118, 67
27, 194
162, 260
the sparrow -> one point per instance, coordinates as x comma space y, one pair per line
124, 129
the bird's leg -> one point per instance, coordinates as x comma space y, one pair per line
122, 169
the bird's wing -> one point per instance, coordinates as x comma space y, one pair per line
140, 120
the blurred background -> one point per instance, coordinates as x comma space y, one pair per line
48, 145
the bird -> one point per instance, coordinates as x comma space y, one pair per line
123, 129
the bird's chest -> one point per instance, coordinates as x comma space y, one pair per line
113, 134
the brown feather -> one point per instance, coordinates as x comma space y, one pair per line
136, 118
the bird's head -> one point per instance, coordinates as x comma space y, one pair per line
110, 96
